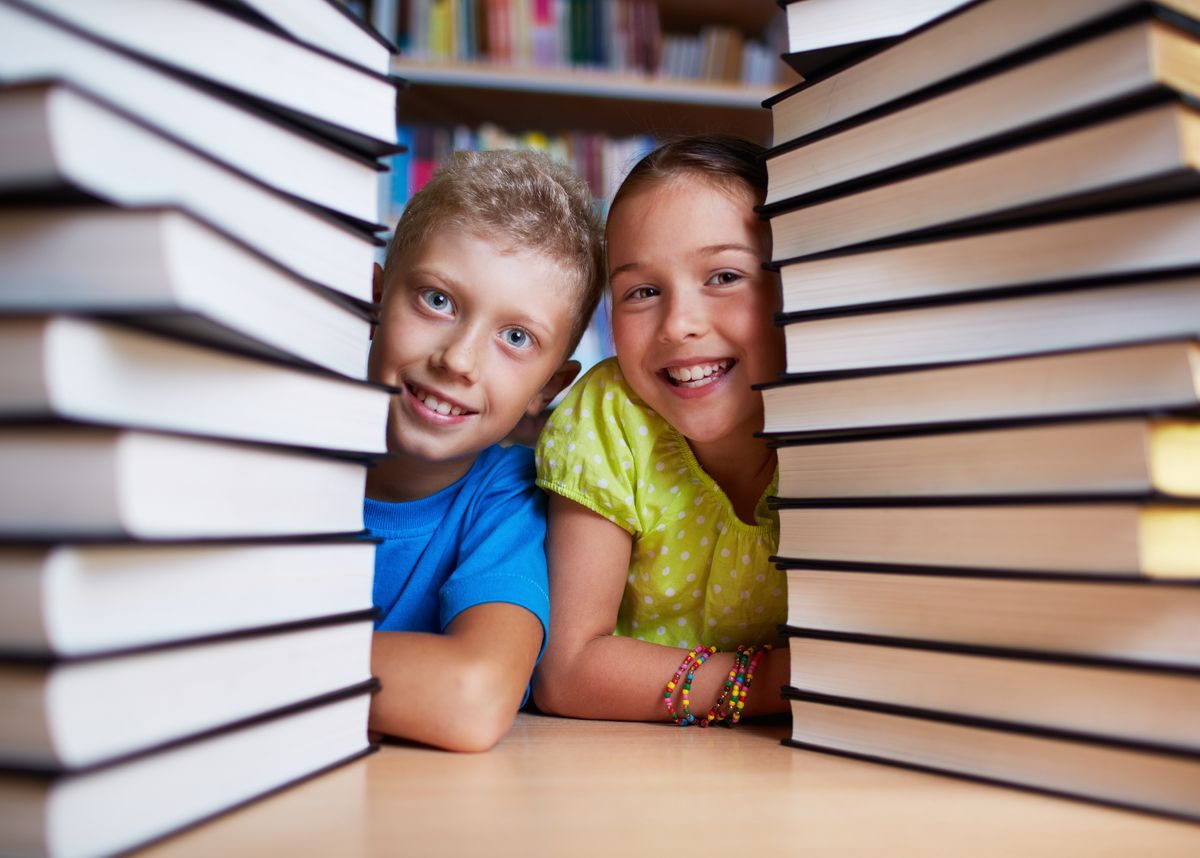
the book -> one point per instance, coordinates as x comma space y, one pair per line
815, 24
90, 371
820, 62
249, 140
1138, 61
971, 40
168, 272
1158, 376
126, 483
329, 95
1147, 621
71, 600
1002, 327
1130, 457
326, 25
1153, 538
118, 807
1125, 775
1147, 705
1136, 157
66, 715
57, 139
1123, 244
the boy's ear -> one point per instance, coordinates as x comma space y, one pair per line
376, 290
561, 380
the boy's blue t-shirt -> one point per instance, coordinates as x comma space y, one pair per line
480, 540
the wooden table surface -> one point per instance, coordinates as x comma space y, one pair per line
557, 787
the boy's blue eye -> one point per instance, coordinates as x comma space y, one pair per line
517, 338
438, 301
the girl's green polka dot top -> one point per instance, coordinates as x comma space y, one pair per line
697, 574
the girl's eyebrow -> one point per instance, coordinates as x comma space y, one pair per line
721, 248
628, 266
710, 250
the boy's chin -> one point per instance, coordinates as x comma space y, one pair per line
436, 453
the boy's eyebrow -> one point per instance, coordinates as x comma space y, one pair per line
710, 250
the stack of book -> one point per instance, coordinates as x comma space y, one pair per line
190, 197
825, 34
988, 436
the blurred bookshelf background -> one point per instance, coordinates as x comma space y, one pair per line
594, 83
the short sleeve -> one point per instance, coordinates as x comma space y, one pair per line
584, 452
502, 555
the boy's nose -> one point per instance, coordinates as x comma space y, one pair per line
458, 357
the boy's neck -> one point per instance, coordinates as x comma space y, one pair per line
407, 478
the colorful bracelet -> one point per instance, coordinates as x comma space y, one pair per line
717, 713
691, 662
736, 714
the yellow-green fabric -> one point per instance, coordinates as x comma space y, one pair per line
697, 574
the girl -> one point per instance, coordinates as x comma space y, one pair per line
659, 530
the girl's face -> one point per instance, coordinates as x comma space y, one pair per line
692, 305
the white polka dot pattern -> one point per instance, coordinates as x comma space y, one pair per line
625, 462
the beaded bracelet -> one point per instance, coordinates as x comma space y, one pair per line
736, 695
736, 715
699, 655
717, 713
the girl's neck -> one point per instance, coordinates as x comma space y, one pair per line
741, 464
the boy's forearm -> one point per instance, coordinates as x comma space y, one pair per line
459, 690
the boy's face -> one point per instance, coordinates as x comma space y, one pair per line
470, 332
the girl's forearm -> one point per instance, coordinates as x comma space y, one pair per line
622, 679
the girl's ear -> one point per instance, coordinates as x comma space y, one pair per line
561, 379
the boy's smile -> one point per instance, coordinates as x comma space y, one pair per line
470, 331
692, 305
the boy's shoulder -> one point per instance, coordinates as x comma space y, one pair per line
499, 466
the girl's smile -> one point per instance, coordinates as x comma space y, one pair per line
698, 376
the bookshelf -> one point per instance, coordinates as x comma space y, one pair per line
582, 99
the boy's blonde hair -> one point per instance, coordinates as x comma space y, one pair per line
526, 198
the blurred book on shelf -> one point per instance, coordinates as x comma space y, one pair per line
623, 37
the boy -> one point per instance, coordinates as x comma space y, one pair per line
488, 285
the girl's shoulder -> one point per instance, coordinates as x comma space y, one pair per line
603, 403
598, 443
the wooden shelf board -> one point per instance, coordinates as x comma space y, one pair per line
585, 84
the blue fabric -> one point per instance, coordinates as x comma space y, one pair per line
480, 540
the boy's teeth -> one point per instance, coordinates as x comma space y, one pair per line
431, 402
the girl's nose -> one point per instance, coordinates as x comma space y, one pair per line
685, 319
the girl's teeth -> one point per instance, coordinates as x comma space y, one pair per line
443, 408
456, 410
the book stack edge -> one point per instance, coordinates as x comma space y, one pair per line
190, 202
987, 432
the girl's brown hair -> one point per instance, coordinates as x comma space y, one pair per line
722, 158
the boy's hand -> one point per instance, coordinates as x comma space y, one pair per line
459, 690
